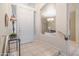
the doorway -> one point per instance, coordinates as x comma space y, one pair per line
48, 18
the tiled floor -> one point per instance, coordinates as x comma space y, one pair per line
42, 47
73, 48
38, 48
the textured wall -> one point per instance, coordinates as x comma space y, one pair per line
4, 8
61, 25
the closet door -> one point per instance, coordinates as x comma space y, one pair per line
25, 24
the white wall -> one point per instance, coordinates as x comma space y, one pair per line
61, 25
4, 8
61, 17
38, 20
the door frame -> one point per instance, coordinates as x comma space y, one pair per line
68, 23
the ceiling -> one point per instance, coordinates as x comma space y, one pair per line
49, 10
30, 4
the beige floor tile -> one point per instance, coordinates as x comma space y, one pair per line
37, 48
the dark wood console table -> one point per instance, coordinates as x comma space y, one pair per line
12, 41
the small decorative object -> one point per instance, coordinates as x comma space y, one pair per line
13, 35
6, 20
13, 19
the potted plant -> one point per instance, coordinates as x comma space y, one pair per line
13, 35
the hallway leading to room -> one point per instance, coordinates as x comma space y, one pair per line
39, 29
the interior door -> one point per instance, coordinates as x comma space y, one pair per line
25, 24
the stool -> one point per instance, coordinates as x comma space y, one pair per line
12, 41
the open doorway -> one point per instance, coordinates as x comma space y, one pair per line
48, 18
